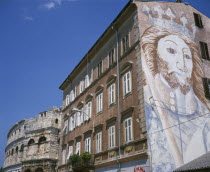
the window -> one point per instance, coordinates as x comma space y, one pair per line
86, 81
204, 50
98, 142
22, 148
111, 136
111, 94
99, 102
206, 84
71, 123
111, 57
100, 69
72, 95
16, 149
88, 110
31, 141
81, 87
42, 139
127, 82
125, 43
198, 20
65, 127
128, 129
79, 118
78, 144
70, 151
67, 100
87, 144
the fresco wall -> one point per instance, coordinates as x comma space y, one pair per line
176, 110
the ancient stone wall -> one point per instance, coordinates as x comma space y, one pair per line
33, 143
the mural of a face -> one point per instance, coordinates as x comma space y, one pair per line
171, 62
177, 56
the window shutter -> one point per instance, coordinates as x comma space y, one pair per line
206, 87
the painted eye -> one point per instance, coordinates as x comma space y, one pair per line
187, 56
171, 50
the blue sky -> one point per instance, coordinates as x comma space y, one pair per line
41, 41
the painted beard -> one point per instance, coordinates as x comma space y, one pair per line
172, 79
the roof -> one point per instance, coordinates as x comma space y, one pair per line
62, 86
202, 162
110, 27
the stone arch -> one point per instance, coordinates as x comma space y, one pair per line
16, 149
30, 142
56, 121
39, 170
28, 170
22, 148
42, 139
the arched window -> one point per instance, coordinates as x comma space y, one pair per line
28, 170
22, 148
56, 121
16, 149
30, 142
39, 170
42, 139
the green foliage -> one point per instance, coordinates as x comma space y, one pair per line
75, 158
1, 169
86, 156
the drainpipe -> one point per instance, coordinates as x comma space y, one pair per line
118, 100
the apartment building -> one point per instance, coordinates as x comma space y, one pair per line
139, 98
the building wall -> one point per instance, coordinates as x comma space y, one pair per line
130, 104
19, 153
176, 109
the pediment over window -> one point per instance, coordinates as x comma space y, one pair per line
99, 89
98, 128
111, 122
78, 138
126, 67
111, 79
88, 97
80, 104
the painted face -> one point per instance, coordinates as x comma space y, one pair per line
176, 53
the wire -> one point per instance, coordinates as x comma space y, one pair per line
202, 115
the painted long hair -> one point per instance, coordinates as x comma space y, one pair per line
149, 42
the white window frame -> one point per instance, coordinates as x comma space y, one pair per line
65, 129
88, 111
99, 102
101, 71
127, 82
87, 81
111, 54
99, 142
71, 122
88, 144
127, 43
78, 148
112, 93
81, 86
70, 151
67, 100
128, 125
112, 136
